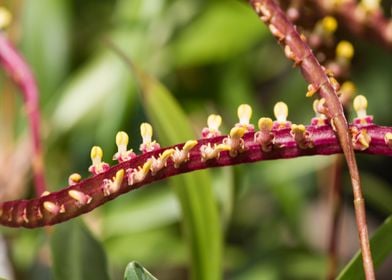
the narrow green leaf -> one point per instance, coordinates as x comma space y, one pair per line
77, 255
194, 190
135, 271
381, 246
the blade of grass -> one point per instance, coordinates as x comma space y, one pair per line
381, 248
200, 213
199, 208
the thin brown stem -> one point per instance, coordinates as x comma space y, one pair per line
297, 49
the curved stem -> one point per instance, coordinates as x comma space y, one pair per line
94, 191
19, 71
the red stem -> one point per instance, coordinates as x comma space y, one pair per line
32, 213
19, 71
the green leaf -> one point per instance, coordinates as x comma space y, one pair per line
46, 41
224, 30
194, 190
135, 271
381, 247
76, 253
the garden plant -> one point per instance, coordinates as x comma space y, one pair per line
254, 193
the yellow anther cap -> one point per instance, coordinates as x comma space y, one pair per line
96, 153
281, 111
329, 24
244, 113
146, 132
214, 121
237, 132
122, 139
265, 124
5, 17
345, 50
360, 105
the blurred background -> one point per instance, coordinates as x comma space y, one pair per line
274, 217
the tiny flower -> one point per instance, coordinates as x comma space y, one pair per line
244, 113
112, 186
370, 6
311, 90
301, 136
53, 208
180, 156
388, 139
160, 162
210, 152
329, 24
360, 138
74, 178
80, 197
344, 51
98, 166
235, 141
123, 154
45, 193
346, 92
281, 112
148, 145
212, 129
137, 175
360, 105
319, 109
264, 137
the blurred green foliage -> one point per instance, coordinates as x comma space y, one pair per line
211, 56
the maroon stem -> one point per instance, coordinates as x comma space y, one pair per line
19, 71
32, 213
297, 50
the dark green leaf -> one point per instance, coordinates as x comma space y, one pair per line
77, 255
381, 247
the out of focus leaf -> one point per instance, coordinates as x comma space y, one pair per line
45, 41
377, 192
381, 246
77, 255
143, 213
101, 78
135, 271
194, 190
225, 29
